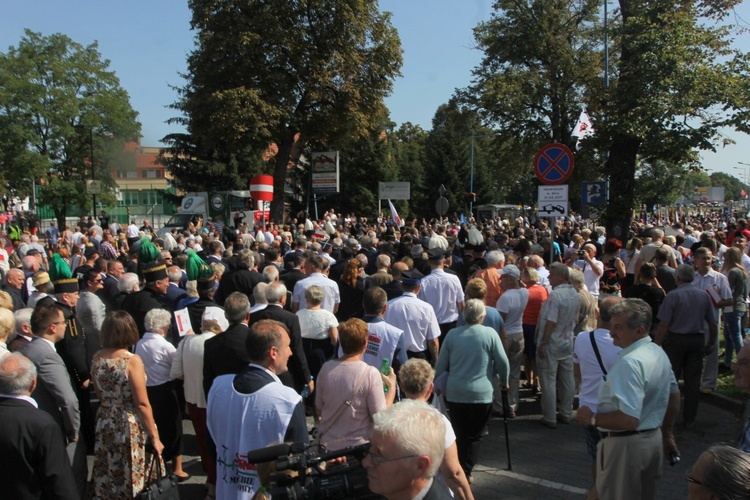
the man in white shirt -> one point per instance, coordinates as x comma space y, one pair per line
314, 270
253, 409
416, 318
554, 340
590, 366
592, 269
708, 279
443, 292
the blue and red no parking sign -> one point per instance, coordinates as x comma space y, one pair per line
553, 164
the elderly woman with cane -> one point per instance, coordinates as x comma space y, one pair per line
472, 355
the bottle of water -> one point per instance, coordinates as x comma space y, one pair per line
385, 369
306, 390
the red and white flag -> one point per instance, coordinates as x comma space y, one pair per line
583, 128
394, 214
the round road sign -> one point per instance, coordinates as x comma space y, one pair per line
553, 164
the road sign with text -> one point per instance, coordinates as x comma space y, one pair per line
552, 201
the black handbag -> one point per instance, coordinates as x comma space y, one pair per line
164, 487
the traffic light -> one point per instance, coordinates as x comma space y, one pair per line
472, 197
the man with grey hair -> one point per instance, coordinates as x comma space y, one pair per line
720, 472
276, 296
174, 293
491, 277
13, 285
34, 461
554, 339
380, 277
259, 297
638, 404
22, 330
406, 449
226, 353
687, 330
243, 279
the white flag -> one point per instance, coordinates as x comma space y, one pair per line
394, 214
583, 128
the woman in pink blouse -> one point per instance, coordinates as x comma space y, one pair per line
350, 392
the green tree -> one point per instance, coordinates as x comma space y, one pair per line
58, 102
409, 150
540, 61
660, 183
677, 80
733, 187
278, 72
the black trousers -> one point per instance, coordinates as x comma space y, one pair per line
685, 352
469, 421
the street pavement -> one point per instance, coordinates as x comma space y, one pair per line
546, 463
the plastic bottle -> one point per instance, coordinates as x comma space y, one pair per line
385, 369
306, 390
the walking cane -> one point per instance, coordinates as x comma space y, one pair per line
506, 409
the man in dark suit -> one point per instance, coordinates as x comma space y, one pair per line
174, 292
22, 329
13, 285
55, 394
33, 461
242, 280
226, 353
395, 288
398, 467
115, 270
138, 304
295, 272
298, 375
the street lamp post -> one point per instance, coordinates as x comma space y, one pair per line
747, 179
93, 171
471, 181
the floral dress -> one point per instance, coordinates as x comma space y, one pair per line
120, 459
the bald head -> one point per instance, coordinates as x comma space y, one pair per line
397, 268
605, 304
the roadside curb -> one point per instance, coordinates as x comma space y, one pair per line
724, 402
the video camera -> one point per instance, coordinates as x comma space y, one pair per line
316, 477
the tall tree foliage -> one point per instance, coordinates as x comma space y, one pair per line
58, 101
278, 71
540, 60
409, 152
677, 81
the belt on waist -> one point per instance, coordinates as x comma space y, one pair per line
609, 434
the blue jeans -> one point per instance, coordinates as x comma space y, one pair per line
732, 335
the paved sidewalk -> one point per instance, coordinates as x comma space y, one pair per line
548, 464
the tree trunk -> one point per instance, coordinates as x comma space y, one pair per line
60, 214
621, 168
280, 173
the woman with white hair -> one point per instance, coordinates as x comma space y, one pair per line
471, 355
157, 355
7, 323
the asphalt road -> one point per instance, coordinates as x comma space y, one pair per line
546, 463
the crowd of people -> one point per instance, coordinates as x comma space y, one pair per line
409, 338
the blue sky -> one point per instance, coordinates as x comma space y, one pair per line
147, 43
